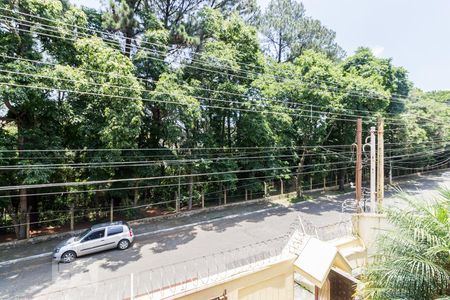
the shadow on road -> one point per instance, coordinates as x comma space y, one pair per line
45, 276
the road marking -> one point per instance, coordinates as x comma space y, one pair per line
13, 261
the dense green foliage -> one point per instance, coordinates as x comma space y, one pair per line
413, 259
173, 88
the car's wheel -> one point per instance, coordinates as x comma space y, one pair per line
68, 256
123, 244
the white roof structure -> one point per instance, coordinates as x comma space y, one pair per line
316, 259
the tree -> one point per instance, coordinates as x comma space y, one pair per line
279, 25
99, 116
176, 13
412, 259
289, 32
127, 17
33, 113
309, 109
393, 79
313, 35
228, 59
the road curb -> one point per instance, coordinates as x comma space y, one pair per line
13, 261
22, 259
44, 238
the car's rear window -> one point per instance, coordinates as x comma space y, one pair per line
115, 230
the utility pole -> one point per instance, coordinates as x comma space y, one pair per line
380, 163
358, 170
373, 199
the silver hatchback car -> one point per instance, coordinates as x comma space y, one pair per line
97, 238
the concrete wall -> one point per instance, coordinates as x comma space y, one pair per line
275, 282
368, 227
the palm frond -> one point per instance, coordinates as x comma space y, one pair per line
413, 259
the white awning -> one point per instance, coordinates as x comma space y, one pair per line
316, 260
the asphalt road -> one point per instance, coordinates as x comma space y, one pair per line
42, 279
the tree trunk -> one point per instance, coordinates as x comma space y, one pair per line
23, 199
155, 129
128, 41
300, 175
23, 203
223, 130
280, 46
341, 179
136, 194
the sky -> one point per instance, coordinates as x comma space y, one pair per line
414, 33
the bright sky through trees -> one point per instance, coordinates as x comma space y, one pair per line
410, 31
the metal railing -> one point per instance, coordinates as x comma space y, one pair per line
168, 280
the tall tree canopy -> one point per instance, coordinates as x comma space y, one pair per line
164, 99
288, 32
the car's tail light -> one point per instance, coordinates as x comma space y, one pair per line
131, 232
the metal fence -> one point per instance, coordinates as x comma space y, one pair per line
74, 218
168, 280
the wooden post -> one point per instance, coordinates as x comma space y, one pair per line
179, 192
71, 218
111, 212
177, 202
335, 180
265, 189
380, 162
310, 183
358, 167
246, 197
281, 186
191, 179
28, 225
373, 171
225, 196
203, 200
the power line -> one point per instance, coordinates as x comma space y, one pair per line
135, 164
169, 162
178, 103
253, 97
179, 149
310, 111
162, 157
408, 155
441, 163
223, 150
194, 67
95, 182
103, 33
418, 160
342, 114
167, 185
